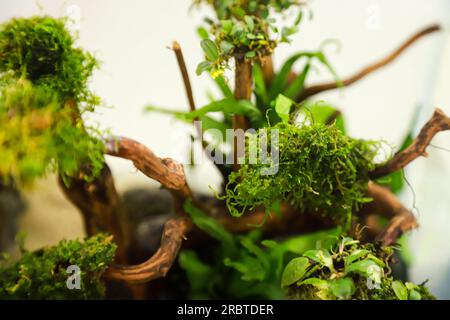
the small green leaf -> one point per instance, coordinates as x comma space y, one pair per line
294, 271
202, 33
321, 256
226, 46
210, 49
367, 268
355, 255
283, 107
250, 23
400, 290
415, 295
202, 67
316, 282
343, 288
227, 26
250, 54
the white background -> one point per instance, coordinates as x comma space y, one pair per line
130, 38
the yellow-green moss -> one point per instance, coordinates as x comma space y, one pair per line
43, 274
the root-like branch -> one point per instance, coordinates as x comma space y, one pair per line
386, 204
164, 170
438, 122
161, 262
99, 204
316, 89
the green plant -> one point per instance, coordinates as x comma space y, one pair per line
323, 177
39, 136
347, 270
43, 92
242, 28
43, 274
243, 266
42, 50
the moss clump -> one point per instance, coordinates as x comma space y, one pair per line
42, 50
348, 271
43, 274
38, 136
43, 93
320, 170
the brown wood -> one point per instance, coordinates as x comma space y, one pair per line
242, 91
316, 89
266, 63
166, 171
161, 262
437, 123
386, 204
99, 204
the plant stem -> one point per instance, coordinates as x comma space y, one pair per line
267, 68
242, 91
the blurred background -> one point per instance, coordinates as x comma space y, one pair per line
131, 37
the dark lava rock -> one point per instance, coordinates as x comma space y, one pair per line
11, 206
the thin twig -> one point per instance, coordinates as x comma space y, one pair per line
315, 89
184, 73
437, 123
190, 96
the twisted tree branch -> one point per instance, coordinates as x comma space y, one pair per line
386, 204
161, 262
166, 171
316, 89
438, 122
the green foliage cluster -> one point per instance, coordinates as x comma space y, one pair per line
242, 266
347, 270
42, 50
38, 136
43, 93
242, 29
320, 170
43, 274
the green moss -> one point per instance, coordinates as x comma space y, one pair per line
349, 270
42, 50
42, 274
43, 93
38, 136
320, 170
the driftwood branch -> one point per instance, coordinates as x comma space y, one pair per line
316, 89
161, 262
166, 171
386, 204
100, 206
438, 122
